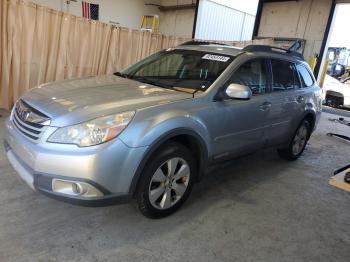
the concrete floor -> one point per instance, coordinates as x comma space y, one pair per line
260, 208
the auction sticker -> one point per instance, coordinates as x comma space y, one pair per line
216, 57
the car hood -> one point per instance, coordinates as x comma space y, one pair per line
69, 102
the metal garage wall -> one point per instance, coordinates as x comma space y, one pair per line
176, 17
306, 19
222, 23
125, 13
248, 27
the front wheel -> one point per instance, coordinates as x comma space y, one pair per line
166, 181
297, 146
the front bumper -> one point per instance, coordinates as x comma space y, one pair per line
109, 167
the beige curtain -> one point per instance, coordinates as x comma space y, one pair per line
39, 45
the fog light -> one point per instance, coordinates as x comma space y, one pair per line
78, 188
75, 188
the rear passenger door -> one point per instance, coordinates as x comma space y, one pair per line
286, 102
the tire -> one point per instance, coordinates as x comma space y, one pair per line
298, 143
166, 181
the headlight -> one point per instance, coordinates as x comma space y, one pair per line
93, 132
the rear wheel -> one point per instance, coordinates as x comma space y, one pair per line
297, 146
166, 181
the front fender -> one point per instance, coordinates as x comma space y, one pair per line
154, 131
146, 130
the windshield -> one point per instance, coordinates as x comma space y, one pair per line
179, 69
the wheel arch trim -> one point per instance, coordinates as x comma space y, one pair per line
312, 114
204, 154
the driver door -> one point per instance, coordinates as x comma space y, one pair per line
242, 123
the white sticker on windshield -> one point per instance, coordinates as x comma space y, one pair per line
216, 57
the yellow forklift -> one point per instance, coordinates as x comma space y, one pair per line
338, 66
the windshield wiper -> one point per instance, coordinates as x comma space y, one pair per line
160, 84
121, 74
151, 82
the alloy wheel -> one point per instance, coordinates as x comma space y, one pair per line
299, 140
169, 183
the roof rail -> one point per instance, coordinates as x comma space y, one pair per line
267, 48
195, 42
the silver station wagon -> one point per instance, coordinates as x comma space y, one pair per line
150, 131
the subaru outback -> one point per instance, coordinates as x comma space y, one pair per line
150, 131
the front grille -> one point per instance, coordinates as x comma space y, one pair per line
29, 121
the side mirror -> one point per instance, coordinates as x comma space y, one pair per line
237, 91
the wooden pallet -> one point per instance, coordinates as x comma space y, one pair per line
338, 180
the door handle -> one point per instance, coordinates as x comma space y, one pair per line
300, 99
265, 106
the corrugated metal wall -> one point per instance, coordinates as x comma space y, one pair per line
248, 27
222, 23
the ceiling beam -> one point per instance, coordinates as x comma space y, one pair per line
164, 8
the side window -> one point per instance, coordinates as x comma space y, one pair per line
253, 75
306, 78
283, 76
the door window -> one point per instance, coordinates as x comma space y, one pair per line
253, 75
284, 76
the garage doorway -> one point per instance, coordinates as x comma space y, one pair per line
337, 47
334, 76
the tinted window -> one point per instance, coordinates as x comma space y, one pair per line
253, 75
284, 75
305, 76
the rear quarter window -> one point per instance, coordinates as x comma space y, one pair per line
306, 78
